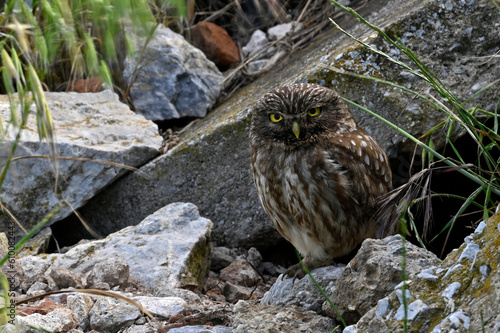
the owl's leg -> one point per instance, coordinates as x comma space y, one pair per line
297, 272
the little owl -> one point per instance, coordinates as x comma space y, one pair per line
317, 173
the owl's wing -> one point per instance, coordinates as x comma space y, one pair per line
365, 163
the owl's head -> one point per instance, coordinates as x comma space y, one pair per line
298, 115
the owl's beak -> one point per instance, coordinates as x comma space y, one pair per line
296, 129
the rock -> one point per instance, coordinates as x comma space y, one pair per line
173, 79
101, 286
34, 268
271, 269
257, 42
374, 273
92, 85
221, 257
162, 307
279, 31
88, 126
42, 308
9, 328
201, 329
59, 320
265, 57
113, 271
37, 244
147, 328
37, 288
254, 258
12, 269
185, 294
81, 304
214, 287
69, 247
215, 42
350, 328
463, 298
169, 249
240, 272
255, 318
64, 278
111, 314
234, 293
256, 47
303, 292
211, 164
257, 66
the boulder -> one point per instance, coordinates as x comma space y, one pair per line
94, 133
374, 273
354, 289
169, 249
459, 295
173, 79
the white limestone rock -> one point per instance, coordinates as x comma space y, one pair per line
169, 249
89, 126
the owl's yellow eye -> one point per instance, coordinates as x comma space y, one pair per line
314, 112
275, 117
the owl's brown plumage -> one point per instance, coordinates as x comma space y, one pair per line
317, 173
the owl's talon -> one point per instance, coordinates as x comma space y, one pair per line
297, 271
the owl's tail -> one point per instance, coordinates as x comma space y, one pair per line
394, 212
